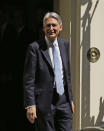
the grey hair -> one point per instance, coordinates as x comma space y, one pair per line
52, 15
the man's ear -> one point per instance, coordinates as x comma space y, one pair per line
61, 27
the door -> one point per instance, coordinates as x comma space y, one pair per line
92, 63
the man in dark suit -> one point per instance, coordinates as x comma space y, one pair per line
48, 95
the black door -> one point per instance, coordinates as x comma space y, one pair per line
20, 24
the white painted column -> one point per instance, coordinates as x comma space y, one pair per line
63, 8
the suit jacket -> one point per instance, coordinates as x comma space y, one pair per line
39, 75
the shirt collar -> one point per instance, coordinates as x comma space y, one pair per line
50, 43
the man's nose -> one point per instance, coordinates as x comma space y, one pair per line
51, 27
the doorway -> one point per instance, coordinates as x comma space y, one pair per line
20, 24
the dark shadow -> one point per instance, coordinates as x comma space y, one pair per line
85, 115
99, 120
20, 24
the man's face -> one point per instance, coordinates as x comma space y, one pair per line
52, 28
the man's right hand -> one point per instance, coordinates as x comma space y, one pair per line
31, 114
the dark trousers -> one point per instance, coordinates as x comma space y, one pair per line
59, 119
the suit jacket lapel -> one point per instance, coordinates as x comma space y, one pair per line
45, 53
47, 57
62, 52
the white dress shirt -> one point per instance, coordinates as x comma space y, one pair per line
51, 54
